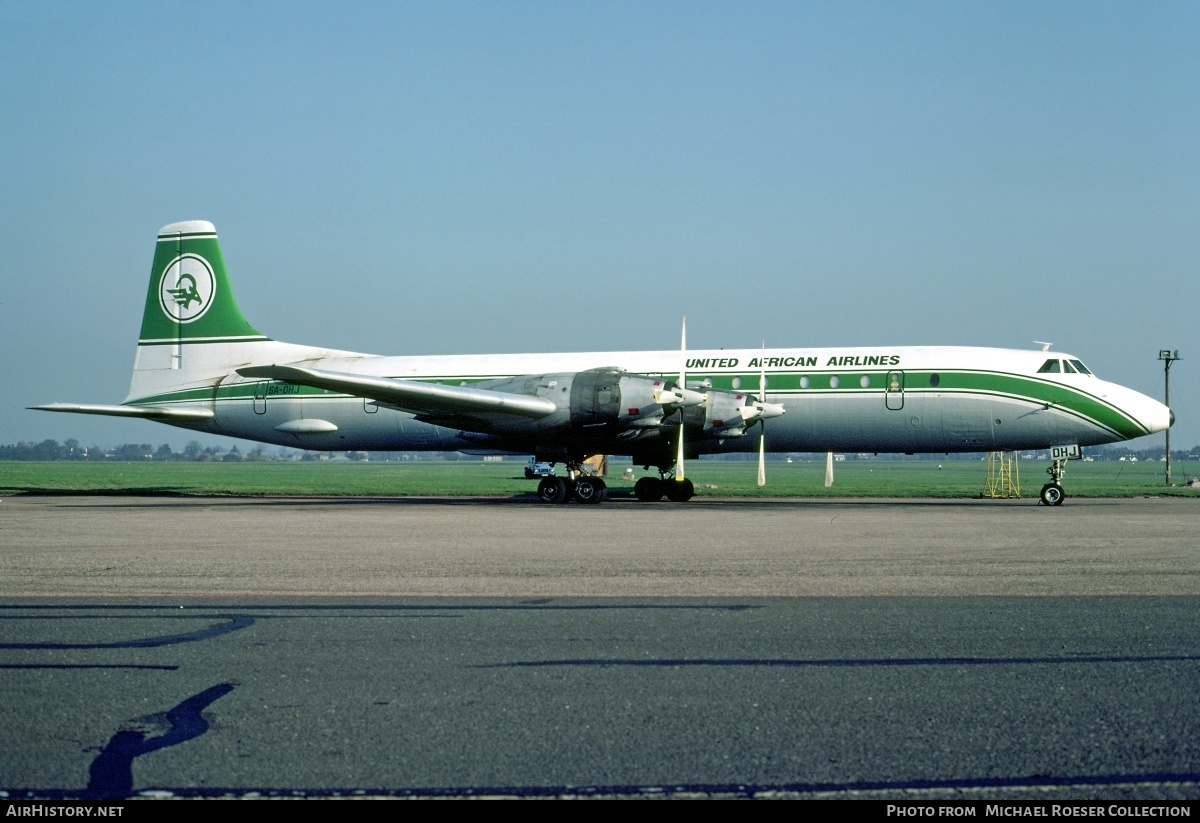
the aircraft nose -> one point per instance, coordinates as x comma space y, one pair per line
1162, 418
1153, 414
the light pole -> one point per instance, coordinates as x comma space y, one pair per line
1168, 357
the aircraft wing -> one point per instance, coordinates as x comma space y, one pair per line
146, 412
410, 395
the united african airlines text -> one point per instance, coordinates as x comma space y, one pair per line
809, 361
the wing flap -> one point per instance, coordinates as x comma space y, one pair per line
410, 395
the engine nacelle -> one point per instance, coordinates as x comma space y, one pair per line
729, 413
602, 399
646, 401
724, 413
616, 398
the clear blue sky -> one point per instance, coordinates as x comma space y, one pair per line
442, 177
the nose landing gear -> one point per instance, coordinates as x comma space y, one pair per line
1052, 493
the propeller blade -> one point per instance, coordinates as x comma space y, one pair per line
762, 459
828, 469
679, 453
684, 389
762, 402
683, 352
762, 375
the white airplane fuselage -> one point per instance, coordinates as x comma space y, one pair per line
901, 399
202, 366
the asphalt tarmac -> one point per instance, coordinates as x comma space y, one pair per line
233, 647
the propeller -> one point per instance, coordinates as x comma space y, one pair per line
682, 385
762, 435
828, 469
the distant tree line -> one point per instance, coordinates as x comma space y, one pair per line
130, 452
194, 452
1118, 450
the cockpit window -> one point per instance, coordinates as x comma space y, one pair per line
1079, 367
1050, 367
1068, 368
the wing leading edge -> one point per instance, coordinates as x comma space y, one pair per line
410, 395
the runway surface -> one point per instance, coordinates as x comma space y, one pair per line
720, 648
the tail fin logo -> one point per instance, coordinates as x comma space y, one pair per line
185, 290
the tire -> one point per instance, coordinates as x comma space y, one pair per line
1053, 494
568, 489
552, 490
648, 489
591, 490
680, 491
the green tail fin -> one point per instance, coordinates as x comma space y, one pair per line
190, 300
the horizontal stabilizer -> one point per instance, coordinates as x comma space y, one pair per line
410, 395
145, 412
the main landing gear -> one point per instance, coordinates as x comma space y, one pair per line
651, 489
584, 488
1052, 493
577, 486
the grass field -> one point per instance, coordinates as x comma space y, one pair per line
865, 478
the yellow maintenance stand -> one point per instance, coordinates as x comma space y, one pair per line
1003, 476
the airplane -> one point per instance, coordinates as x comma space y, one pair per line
200, 365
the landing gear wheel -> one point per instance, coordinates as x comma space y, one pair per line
679, 491
590, 490
553, 490
648, 489
1053, 494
